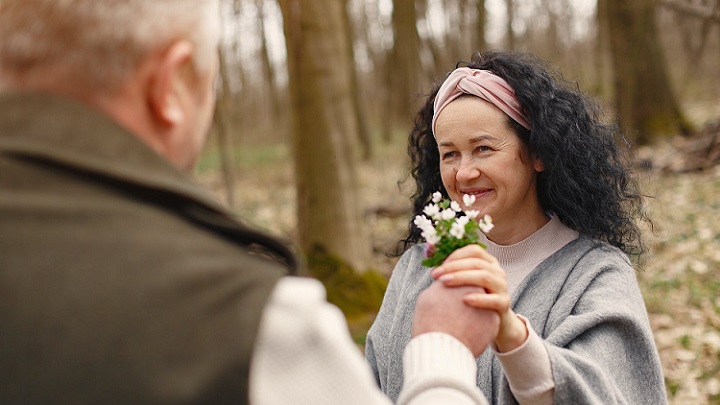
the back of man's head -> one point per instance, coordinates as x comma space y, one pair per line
149, 65
93, 45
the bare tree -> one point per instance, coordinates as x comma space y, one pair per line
223, 123
360, 116
454, 34
224, 133
375, 91
702, 12
554, 31
510, 40
440, 57
405, 67
324, 127
603, 53
268, 71
695, 22
480, 24
644, 99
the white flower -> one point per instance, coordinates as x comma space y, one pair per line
486, 224
424, 223
431, 236
428, 230
431, 210
457, 230
445, 227
447, 214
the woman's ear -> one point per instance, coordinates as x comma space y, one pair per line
538, 164
168, 85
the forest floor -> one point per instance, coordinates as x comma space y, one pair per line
680, 277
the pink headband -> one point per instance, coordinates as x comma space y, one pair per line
483, 84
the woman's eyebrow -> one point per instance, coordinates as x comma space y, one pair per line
482, 138
474, 139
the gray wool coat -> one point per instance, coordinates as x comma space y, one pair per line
584, 302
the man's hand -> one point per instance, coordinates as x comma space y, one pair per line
442, 309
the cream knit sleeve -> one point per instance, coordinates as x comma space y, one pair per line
304, 355
439, 370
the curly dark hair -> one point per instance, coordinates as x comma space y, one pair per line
587, 179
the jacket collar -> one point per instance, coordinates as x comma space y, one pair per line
65, 132
72, 134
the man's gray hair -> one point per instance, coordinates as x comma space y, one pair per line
97, 43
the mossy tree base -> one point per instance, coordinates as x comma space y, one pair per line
357, 294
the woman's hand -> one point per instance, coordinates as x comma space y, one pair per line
474, 266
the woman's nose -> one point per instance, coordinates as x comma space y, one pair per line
466, 171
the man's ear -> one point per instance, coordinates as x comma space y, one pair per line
168, 84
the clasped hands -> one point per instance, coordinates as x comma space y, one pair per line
469, 300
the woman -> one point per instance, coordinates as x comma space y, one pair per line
539, 161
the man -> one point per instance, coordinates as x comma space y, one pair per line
121, 280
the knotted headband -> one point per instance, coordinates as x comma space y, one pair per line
483, 84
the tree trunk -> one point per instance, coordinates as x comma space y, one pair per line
694, 35
456, 27
553, 45
510, 40
406, 68
224, 136
238, 73
440, 58
603, 53
480, 24
644, 99
357, 101
323, 126
267, 67
387, 114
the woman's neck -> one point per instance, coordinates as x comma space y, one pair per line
510, 233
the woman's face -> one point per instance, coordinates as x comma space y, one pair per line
481, 155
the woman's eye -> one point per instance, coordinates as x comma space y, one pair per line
448, 155
484, 148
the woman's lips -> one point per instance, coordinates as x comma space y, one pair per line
477, 192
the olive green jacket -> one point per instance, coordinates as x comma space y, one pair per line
121, 280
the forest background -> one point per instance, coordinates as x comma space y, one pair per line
316, 99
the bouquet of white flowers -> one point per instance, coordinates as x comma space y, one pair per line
446, 227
